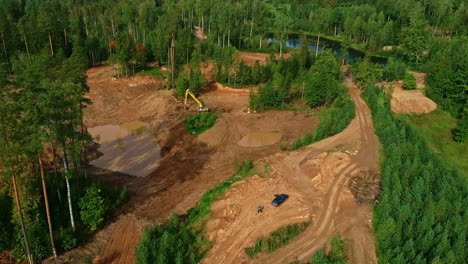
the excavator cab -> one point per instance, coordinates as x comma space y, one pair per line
201, 107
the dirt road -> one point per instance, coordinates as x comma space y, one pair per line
316, 178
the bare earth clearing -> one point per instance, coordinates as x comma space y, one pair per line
411, 101
189, 165
318, 184
250, 58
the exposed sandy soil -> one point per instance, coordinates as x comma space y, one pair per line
260, 139
318, 185
410, 101
199, 33
250, 58
189, 166
117, 101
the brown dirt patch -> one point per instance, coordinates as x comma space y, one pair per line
259, 139
250, 58
122, 100
410, 101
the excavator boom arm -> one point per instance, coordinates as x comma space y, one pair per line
188, 92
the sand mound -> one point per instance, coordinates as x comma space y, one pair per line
260, 139
410, 101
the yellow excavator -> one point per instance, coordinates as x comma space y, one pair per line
201, 107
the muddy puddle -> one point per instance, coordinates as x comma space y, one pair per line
129, 148
260, 139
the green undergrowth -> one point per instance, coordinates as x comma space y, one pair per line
336, 255
276, 239
436, 128
421, 215
199, 123
181, 239
333, 121
151, 71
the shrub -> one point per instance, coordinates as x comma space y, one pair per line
337, 254
199, 123
92, 207
409, 82
182, 84
123, 196
276, 239
68, 240
460, 133
394, 70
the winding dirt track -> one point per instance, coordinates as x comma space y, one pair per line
322, 196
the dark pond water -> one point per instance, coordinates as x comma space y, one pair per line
329, 44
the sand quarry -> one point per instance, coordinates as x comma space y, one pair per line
333, 183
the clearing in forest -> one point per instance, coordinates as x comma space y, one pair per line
189, 165
320, 181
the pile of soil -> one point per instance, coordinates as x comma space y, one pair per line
410, 101
365, 187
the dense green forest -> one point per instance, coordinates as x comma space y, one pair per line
48, 200
421, 216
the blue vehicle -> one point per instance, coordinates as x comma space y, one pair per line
279, 199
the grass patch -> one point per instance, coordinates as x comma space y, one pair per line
436, 128
199, 123
337, 254
151, 71
276, 239
333, 120
181, 240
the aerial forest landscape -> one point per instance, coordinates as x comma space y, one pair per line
237, 131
